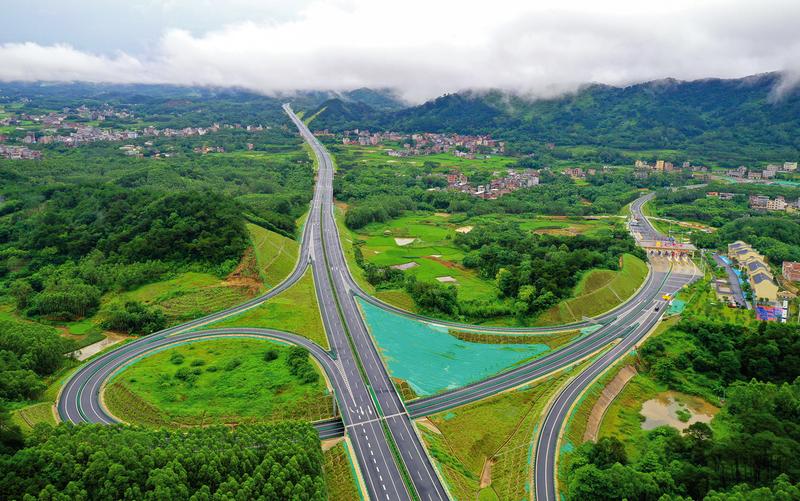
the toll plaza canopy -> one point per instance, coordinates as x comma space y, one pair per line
668, 246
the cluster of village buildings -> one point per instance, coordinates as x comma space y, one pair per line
428, 143
769, 172
80, 133
19, 153
644, 169
761, 202
513, 181
57, 119
771, 299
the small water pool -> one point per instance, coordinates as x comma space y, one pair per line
430, 359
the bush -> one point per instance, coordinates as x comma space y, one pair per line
233, 364
270, 355
300, 366
134, 318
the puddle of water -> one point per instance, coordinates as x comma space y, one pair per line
93, 349
664, 409
430, 359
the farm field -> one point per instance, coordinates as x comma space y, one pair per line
226, 380
294, 310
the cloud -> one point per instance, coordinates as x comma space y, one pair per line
425, 48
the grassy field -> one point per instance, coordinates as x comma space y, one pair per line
215, 381
294, 310
276, 255
339, 474
597, 292
28, 417
187, 296
496, 432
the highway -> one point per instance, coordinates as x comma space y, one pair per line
391, 457
547, 441
373, 412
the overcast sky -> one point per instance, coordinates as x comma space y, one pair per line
423, 48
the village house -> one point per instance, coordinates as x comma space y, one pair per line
755, 266
791, 271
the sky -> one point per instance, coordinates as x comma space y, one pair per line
421, 48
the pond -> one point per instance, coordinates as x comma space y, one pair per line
430, 359
676, 409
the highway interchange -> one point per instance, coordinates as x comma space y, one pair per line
392, 460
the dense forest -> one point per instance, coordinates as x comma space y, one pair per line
751, 450
725, 121
94, 462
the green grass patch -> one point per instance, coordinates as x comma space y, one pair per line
432, 250
294, 310
215, 381
276, 255
339, 474
598, 292
28, 417
552, 340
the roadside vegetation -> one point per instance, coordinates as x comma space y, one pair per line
294, 310
221, 381
483, 449
339, 474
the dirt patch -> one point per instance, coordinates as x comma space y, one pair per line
330, 443
404, 241
427, 423
486, 473
441, 214
246, 275
87, 351
610, 392
447, 279
464, 229
405, 266
444, 262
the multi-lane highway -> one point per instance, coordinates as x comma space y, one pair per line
391, 457
641, 323
373, 411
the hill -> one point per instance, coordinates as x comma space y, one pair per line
727, 121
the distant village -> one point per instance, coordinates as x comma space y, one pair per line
427, 143
702, 173
513, 181
54, 125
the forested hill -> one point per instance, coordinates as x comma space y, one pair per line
724, 119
